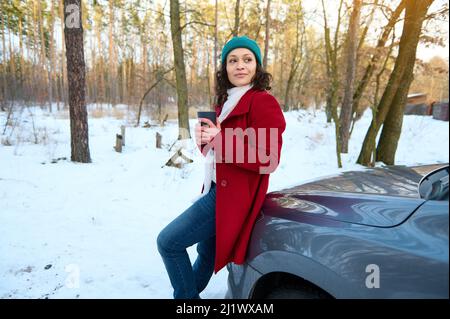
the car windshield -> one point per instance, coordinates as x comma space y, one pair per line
434, 186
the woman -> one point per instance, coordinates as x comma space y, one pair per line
242, 149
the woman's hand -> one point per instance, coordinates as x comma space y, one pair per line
204, 134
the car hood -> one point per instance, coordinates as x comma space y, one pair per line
380, 197
389, 180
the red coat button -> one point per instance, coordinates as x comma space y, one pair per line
223, 183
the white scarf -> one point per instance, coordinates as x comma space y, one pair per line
234, 96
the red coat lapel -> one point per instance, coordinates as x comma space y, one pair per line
242, 107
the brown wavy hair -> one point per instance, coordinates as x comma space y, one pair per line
261, 81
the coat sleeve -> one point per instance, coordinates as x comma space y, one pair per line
266, 120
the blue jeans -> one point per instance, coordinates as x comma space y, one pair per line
197, 224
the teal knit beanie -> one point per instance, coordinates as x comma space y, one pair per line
241, 42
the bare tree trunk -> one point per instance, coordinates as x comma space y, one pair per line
20, 61
209, 87
333, 78
144, 64
76, 75
37, 77
63, 84
4, 84
375, 57
43, 57
376, 100
276, 56
258, 24
398, 84
331, 63
335, 117
346, 108
29, 69
180, 71
211, 82
52, 52
192, 77
101, 74
363, 35
100, 70
281, 52
304, 76
332, 88
127, 92
216, 37
266, 40
124, 80
295, 59
287, 102
92, 83
236, 19
130, 89
392, 127
113, 84
12, 65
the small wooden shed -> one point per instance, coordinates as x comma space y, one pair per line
417, 104
417, 98
440, 111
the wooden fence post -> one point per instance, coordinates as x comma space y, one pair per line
118, 146
158, 140
122, 129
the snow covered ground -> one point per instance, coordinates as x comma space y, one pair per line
72, 230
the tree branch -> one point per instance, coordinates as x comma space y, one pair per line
196, 22
170, 83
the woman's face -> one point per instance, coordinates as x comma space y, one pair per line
241, 66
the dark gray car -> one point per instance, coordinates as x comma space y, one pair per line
377, 233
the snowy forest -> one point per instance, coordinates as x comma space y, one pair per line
99, 99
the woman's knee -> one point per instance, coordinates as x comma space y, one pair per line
163, 242
207, 248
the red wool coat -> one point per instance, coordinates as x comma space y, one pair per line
241, 188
